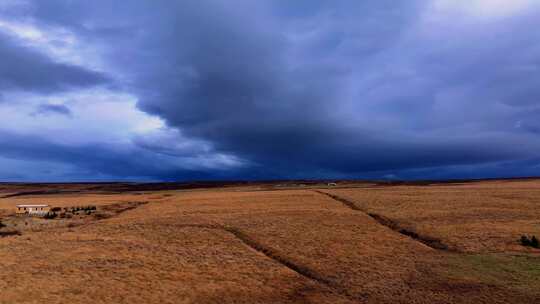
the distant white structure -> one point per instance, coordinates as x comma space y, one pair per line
38, 210
332, 184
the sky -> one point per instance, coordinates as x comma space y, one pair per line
164, 90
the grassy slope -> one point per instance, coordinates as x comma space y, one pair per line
520, 273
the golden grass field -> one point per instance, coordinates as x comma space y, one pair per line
269, 244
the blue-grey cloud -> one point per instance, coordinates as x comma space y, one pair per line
103, 162
25, 69
319, 89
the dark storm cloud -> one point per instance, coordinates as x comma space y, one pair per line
22, 68
248, 91
279, 101
99, 161
320, 88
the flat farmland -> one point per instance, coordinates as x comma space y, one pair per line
356, 243
472, 217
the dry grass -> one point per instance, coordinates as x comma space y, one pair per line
475, 217
288, 246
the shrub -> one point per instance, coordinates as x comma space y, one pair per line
56, 209
534, 242
525, 241
50, 215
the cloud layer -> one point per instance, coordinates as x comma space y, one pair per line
312, 89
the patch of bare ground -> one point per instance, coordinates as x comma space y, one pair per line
9, 233
13, 225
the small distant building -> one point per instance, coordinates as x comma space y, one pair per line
34, 210
332, 184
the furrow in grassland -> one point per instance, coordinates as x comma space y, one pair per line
385, 221
277, 257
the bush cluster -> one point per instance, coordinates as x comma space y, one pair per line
50, 215
532, 242
68, 212
80, 208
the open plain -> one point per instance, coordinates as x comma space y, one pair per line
274, 243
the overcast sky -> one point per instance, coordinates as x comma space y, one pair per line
178, 90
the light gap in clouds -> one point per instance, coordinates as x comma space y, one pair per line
59, 44
97, 115
486, 10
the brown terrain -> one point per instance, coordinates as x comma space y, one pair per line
273, 243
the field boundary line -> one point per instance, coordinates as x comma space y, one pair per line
429, 241
271, 253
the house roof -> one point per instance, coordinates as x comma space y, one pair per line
31, 206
